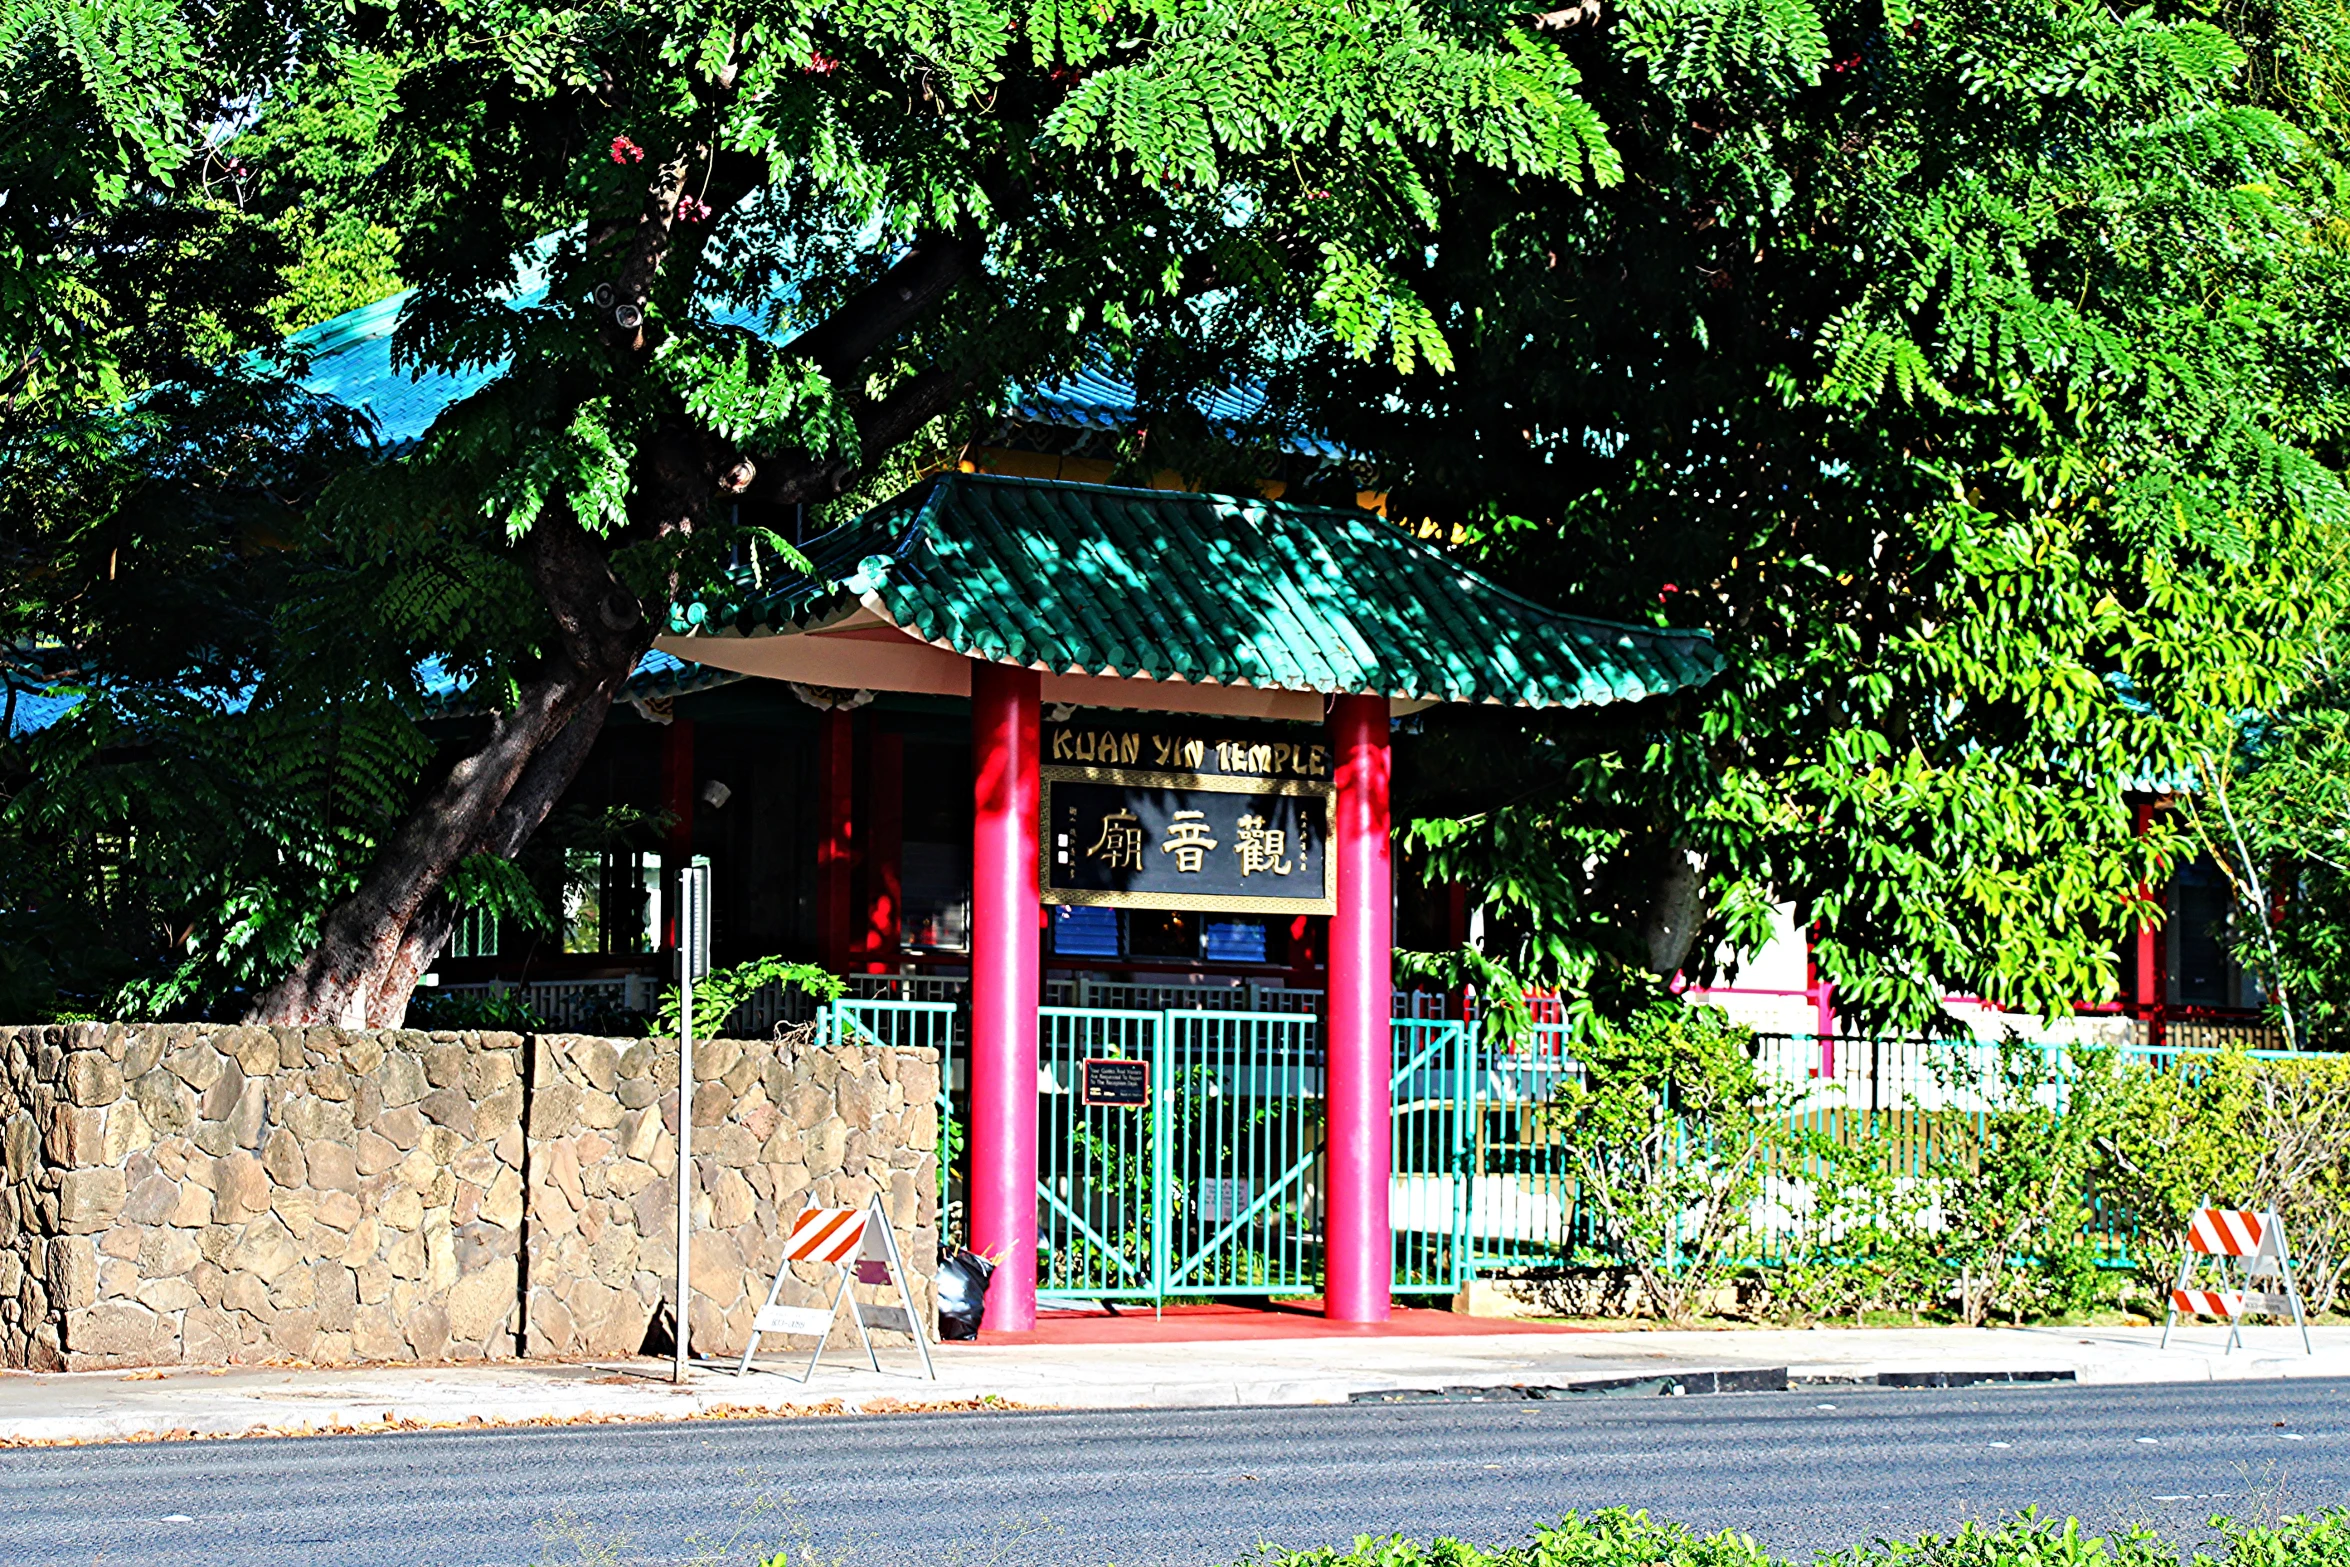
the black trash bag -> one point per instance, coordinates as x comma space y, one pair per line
962, 1293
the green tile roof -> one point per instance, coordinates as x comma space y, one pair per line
1088, 579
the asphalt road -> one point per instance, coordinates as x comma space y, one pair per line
1799, 1471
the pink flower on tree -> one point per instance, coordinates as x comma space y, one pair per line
626, 151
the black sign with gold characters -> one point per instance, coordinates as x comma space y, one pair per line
1232, 826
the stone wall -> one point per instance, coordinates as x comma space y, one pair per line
775, 1127
202, 1194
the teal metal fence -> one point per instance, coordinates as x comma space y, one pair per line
931, 1025
1212, 1186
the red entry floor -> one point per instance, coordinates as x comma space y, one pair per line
1229, 1322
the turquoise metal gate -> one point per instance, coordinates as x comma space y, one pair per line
1431, 1186
1243, 1120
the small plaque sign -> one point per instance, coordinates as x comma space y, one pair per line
1225, 1197
1116, 1082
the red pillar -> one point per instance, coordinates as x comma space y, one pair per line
1823, 1005
2146, 983
1005, 915
835, 845
885, 815
1358, 1248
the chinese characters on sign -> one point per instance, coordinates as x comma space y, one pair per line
1120, 845
1261, 847
1136, 839
1188, 841
1155, 817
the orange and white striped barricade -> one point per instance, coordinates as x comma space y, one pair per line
859, 1243
2255, 1267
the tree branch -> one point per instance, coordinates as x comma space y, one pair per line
881, 427
885, 307
2255, 893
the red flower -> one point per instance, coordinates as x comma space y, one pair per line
691, 209
626, 151
819, 65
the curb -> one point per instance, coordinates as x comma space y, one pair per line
1678, 1384
372, 1419
1681, 1384
1927, 1378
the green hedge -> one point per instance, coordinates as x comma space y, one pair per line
1617, 1538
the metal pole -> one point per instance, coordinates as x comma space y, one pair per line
693, 961
685, 1152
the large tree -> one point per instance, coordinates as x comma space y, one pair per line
1975, 374
728, 261
137, 254
1971, 373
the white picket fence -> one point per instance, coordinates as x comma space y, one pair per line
568, 1003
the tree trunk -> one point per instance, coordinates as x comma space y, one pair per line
550, 773
374, 944
1675, 912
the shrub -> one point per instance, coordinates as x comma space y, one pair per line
719, 992
1616, 1537
433, 1007
2241, 1132
2307, 1540
1861, 1243
2016, 1188
1668, 1127
2024, 1541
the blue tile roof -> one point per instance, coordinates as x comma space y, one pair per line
657, 674
36, 711
351, 361
1095, 399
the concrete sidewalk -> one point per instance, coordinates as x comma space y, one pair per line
114, 1405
